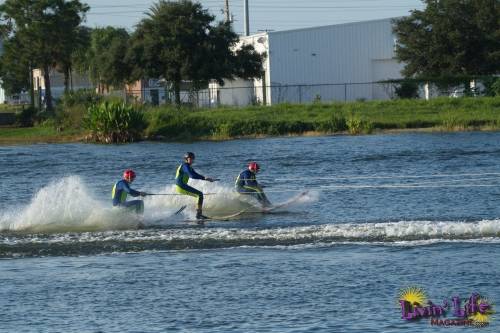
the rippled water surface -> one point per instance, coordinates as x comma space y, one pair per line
380, 213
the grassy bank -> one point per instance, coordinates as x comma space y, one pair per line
6, 108
168, 123
37, 134
448, 114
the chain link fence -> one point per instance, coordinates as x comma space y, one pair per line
215, 95
266, 95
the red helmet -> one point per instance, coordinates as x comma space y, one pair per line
253, 166
129, 175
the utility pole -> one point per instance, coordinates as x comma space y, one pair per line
247, 26
228, 16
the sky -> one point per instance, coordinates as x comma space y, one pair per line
276, 15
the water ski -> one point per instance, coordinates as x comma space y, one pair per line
218, 218
284, 204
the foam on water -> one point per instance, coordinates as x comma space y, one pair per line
404, 233
68, 205
219, 200
64, 205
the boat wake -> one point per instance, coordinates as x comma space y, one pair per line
64, 219
404, 233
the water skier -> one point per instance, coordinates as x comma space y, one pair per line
247, 184
122, 189
184, 172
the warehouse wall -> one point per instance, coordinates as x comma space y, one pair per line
336, 54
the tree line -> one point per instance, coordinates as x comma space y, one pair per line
450, 38
176, 41
450, 43
180, 41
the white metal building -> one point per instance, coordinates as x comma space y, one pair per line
336, 62
77, 82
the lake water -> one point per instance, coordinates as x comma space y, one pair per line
382, 213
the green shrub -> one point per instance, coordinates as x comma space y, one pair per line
451, 122
407, 89
70, 117
356, 125
222, 131
27, 117
113, 122
86, 97
72, 108
367, 127
495, 87
334, 124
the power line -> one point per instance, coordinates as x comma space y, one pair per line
221, 2
276, 7
269, 14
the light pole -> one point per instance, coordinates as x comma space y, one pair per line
247, 25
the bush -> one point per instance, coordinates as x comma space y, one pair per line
407, 89
334, 124
356, 125
222, 131
495, 87
114, 122
70, 117
27, 117
72, 108
451, 122
86, 97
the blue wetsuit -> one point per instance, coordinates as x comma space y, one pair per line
246, 183
184, 172
119, 195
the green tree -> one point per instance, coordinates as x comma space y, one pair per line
450, 38
79, 57
104, 59
44, 29
72, 43
14, 67
179, 42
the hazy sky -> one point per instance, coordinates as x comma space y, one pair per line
264, 14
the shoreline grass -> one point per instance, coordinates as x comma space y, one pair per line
448, 114
7, 108
37, 134
167, 123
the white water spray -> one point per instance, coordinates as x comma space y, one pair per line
65, 205
68, 205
